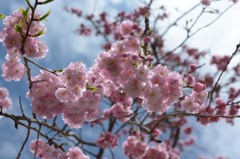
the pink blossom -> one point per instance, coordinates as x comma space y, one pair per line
206, 2
134, 147
162, 80
12, 41
13, 69
160, 75
47, 106
74, 78
13, 54
109, 63
92, 102
188, 130
76, 153
199, 87
73, 117
203, 110
175, 80
2, 36
44, 101
200, 97
117, 96
143, 73
156, 153
190, 105
132, 44
5, 101
193, 67
134, 87
126, 27
121, 112
147, 39
106, 113
37, 145
107, 140
86, 108
189, 141
233, 110
220, 102
220, 61
44, 150
190, 80
151, 95
35, 48
63, 94
74, 74
118, 48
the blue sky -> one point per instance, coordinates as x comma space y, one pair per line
65, 46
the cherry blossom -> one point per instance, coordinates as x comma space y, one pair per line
76, 153
5, 101
107, 140
134, 147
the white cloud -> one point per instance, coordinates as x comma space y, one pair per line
224, 32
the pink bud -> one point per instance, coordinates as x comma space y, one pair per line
220, 102
188, 130
193, 67
206, 2
189, 142
147, 39
199, 87
190, 80
126, 27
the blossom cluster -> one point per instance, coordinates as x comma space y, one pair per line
138, 149
42, 94
220, 61
121, 109
64, 93
121, 74
129, 70
17, 29
196, 99
5, 101
43, 150
107, 140
133, 147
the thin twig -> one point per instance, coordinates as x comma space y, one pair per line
25, 141
17, 119
182, 114
53, 72
188, 36
35, 153
219, 77
179, 18
20, 102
